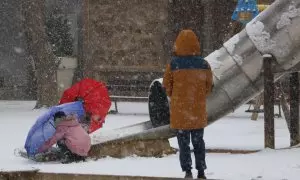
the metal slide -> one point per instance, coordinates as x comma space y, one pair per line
237, 68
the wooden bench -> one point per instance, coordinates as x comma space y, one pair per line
127, 83
128, 90
117, 99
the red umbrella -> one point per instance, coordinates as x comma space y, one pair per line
95, 97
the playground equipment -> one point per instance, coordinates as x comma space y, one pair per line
245, 11
237, 72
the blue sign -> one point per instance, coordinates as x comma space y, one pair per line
245, 11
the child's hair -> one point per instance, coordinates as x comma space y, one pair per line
59, 115
79, 99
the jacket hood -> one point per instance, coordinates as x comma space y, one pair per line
187, 44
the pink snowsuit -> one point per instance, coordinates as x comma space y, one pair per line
75, 137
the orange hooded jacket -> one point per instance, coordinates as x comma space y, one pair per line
188, 81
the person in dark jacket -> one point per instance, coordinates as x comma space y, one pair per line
188, 81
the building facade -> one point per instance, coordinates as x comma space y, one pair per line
118, 42
132, 42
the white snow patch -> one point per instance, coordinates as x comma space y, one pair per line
286, 18
230, 44
259, 37
238, 59
234, 131
160, 80
213, 60
267, 55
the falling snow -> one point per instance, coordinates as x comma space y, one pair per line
18, 50
133, 37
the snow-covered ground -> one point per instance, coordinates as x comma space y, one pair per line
235, 131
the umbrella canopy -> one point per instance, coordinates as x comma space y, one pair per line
43, 129
95, 97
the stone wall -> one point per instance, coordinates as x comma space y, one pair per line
133, 40
123, 34
140, 33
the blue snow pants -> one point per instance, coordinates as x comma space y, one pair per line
184, 137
